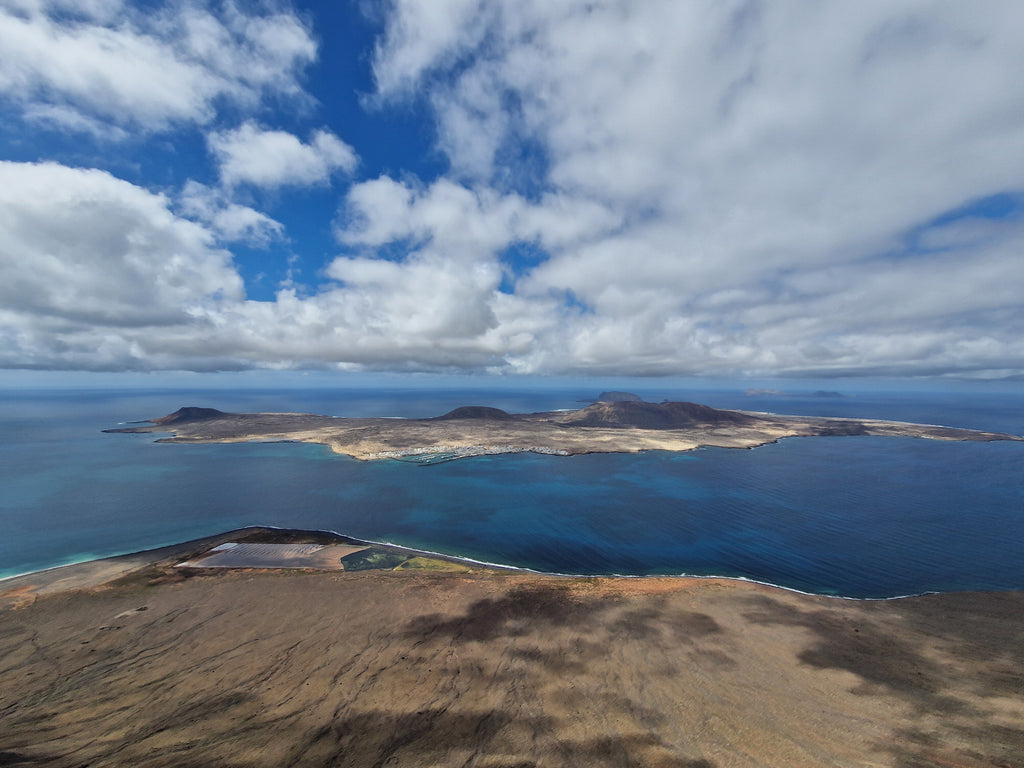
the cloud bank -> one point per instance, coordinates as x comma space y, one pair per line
640, 188
108, 63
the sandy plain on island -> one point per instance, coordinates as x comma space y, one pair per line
243, 668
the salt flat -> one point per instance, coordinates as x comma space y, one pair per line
268, 555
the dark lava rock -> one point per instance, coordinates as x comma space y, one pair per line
190, 413
477, 412
643, 415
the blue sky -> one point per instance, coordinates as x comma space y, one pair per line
729, 190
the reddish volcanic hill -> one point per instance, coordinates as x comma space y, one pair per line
476, 412
643, 415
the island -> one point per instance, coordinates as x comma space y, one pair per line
619, 426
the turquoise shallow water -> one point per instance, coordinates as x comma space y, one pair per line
856, 516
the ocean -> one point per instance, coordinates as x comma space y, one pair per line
851, 516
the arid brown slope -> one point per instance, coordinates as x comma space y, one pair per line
249, 669
604, 427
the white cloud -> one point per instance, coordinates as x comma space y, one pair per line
87, 255
422, 36
454, 217
474, 122
97, 273
251, 155
427, 314
745, 153
230, 221
147, 68
377, 212
719, 188
83, 245
465, 221
69, 120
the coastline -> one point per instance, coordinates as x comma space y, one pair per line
88, 573
163, 666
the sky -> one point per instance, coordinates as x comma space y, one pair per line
727, 189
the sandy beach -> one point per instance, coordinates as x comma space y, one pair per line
137, 662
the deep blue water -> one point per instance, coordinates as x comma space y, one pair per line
856, 516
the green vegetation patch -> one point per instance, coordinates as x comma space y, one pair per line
373, 559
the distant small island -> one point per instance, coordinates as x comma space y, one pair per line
826, 393
618, 397
607, 426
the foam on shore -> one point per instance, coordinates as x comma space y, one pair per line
458, 559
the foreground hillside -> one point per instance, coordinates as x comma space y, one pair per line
253, 668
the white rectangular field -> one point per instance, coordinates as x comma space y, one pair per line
258, 555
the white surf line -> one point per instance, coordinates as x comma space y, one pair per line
518, 568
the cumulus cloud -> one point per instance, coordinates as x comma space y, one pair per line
768, 164
421, 37
84, 245
724, 188
252, 155
476, 223
88, 256
230, 221
148, 67
97, 273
